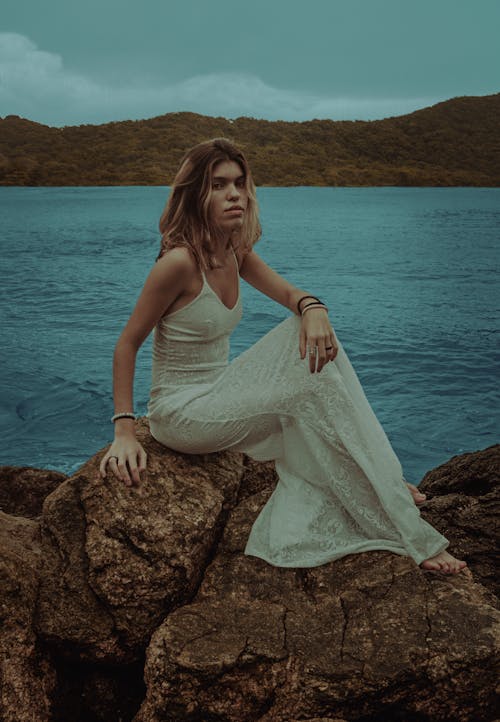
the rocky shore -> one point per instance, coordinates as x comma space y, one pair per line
138, 604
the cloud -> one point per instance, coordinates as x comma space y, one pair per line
35, 84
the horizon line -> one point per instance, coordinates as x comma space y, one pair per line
247, 117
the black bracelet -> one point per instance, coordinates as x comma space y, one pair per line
312, 303
301, 299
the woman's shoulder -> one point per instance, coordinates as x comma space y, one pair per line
178, 259
241, 254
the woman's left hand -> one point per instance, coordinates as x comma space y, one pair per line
317, 338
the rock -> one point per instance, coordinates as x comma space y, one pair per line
475, 473
369, 636
24, 488
117, 559
89, 692
464, 503
160, 570
27, 679
257, 476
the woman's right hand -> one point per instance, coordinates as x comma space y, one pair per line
130, 462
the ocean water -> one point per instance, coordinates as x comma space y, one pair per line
411, 277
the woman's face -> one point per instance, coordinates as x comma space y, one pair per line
228, 196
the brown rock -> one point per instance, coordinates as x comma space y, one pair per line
369, 636
118, 559
475, 473
24, 488
257, 476
27, 679
464, 503
90, 692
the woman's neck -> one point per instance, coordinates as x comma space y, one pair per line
222, 248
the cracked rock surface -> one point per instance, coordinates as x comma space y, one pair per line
23, 489
464, 502
369, 636
147, 609
27, 678
117, 559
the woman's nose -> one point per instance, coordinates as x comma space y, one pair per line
233, 191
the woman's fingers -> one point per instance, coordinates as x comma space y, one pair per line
318, 354
317, 340
126, 467
137, 463
312, 351
132, 464
102, 466
314, 354
122, 468
333, 351
113, 465
321, 354
109, 461
142, 459
302, 343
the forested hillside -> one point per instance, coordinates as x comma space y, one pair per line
456, 142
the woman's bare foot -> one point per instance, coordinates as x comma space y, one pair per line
443, 562
418, 496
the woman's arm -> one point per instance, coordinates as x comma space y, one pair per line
165, 282
262, 277
316, 331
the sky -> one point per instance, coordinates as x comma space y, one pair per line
64, 62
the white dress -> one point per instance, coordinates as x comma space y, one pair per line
341, 488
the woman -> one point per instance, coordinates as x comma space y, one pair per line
341, 489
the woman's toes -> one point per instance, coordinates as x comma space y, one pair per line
430, 564
418, 496
444, 563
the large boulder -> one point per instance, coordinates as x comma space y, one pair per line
24, 488
159, 570
369, 636
27, 678
464, 502
475, 473
118, 559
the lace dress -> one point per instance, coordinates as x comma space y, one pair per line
341, 488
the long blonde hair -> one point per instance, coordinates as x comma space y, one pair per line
185, 220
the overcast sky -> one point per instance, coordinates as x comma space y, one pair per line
64, 62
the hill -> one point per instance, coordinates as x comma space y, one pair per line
456, 142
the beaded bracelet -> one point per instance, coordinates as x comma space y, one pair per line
124, 415
301, 299
314, 305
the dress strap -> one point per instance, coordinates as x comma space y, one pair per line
236, 261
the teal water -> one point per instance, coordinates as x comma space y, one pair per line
411, 277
